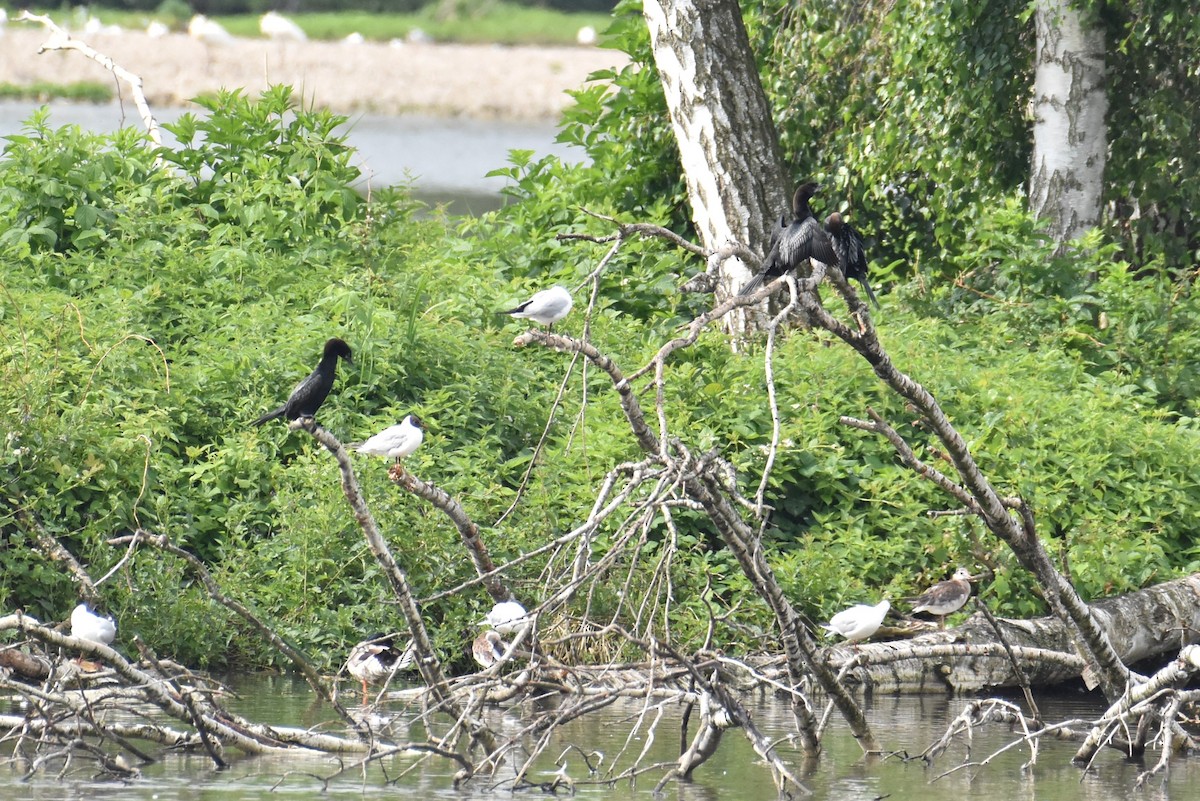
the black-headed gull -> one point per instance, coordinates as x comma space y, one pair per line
859, 621
546, 307
394, 442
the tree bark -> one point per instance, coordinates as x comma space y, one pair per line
1070, 135
722, 123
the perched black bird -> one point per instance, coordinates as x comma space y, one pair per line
848, 244
792, 246
310, 393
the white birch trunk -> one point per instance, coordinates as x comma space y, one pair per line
1070, 136
722, 122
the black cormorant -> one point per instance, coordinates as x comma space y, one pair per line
848, 244
310, 393
793, 246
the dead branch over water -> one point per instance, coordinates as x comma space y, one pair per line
124, 715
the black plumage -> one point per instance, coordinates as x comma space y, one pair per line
848, 244
792, 246
310, 393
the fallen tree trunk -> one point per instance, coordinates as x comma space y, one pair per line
1152, 622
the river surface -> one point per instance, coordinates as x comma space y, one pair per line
905, 725
447, 159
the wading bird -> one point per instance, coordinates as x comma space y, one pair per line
279, 28
310, 393
377, 658
859, 621
546, 307
945, 597
848, 245
792, 246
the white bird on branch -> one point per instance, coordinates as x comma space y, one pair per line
87, 625
279, 28
507, 617
394, 442
546, 307
859, 621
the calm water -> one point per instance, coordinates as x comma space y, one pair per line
904, 724
447, 160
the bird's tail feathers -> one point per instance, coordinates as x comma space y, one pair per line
270, 415
519, 308
870, 292
752, 285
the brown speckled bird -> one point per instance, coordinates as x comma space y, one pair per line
945, 597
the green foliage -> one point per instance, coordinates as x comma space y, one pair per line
266, 168
152, 310
64, 190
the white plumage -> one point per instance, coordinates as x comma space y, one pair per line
87, 625
506, 617
208, 31
277, 27
394, 442
859, 621
546, 307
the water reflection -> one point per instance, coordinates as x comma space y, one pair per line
905, 725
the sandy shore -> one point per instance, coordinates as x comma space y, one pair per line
452, 80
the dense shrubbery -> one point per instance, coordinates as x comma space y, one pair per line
150, 313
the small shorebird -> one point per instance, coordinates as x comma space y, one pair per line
488, 648
377, 658
945, 597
